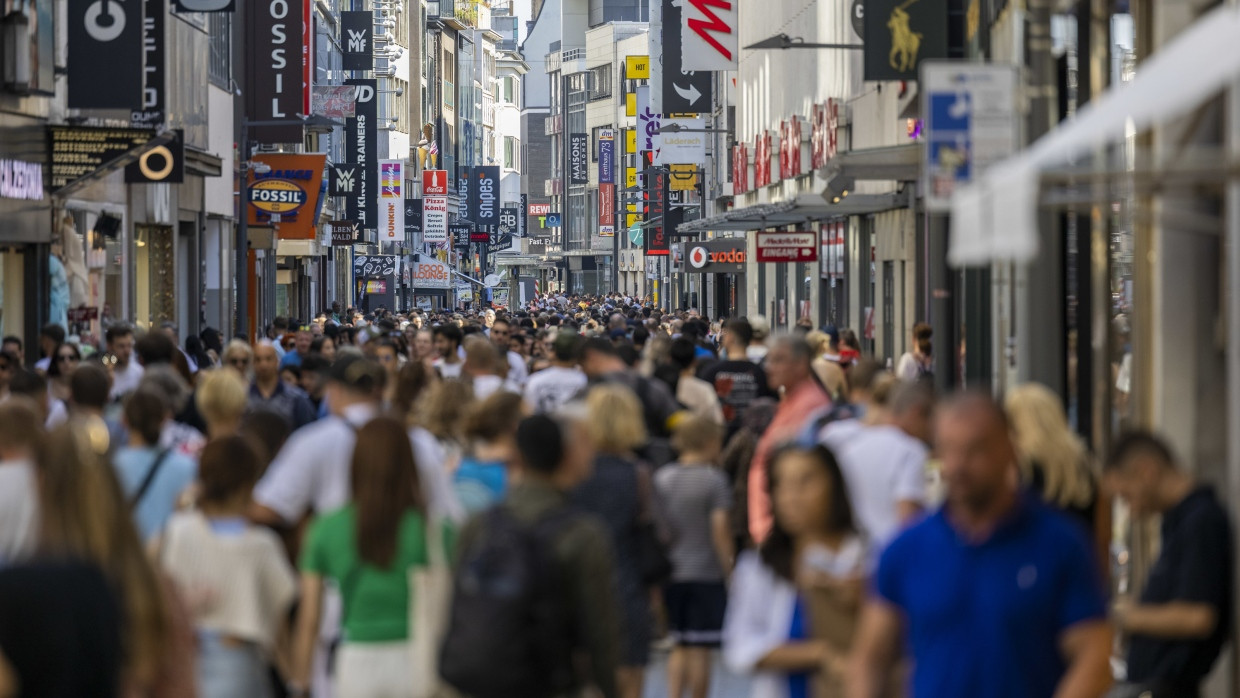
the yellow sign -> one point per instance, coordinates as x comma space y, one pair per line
276, 195
630, 104
630, 178
637, 68
683, 178
634, 219
681, 116
631, 208
630, 140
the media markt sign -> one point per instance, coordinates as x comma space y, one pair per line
787, 247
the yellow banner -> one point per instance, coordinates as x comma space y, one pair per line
630, 104
630, 140
630, 178
633, 219
683, 178
637, 68
632, 208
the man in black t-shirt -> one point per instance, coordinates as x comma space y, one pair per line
1183, 617
737, 380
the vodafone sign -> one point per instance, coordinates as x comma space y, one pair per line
726, 256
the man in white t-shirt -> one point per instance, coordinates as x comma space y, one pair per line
448, 338
556, 386
126, 372
884, 465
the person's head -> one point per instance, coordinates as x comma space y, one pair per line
443, 411
170, 384
51, 336
922, 332
1043, 438
355, 379
303, 339
423, 345
789, 363
324, 346
384, 479
120, 343
615, 421
761, 329
145, 412
974, 443
386, 354
9, 363
448, 338
554, 449
501, 332
13, 345
861, 378
412, 383
221, 399
279, 325
482, 358
155, 348
600, 357
32, 385
238, 356
84, 515
808, 498
266, 362
89, 387
21, 431
314, 370
212, 339
698, 437
833, 338
228, 468
494, 420
65, 359
911, 408
1138, 470
565, 347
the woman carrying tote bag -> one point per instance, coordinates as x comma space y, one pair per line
382, 554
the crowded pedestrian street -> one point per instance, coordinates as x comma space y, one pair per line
619, 348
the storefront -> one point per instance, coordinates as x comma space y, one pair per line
431, 280
25, 241
714, 276
374, 282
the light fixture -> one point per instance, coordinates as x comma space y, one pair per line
783, 41
838, 188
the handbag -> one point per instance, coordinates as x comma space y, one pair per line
653, 563
430, 590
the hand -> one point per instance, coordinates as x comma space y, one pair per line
833, 663
1120, 608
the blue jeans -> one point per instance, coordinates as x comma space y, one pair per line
230, 670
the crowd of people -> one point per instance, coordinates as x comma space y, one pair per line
536, 502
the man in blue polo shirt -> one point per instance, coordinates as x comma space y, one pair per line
996, 595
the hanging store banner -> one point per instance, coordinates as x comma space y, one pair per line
361, 136
637, 67
342, 180
790, 148
578, 157
682, 178
152, 113
105, 54
79, 151
391, 200
435, 207
606, 156
824, 134
740, 169
307, 55
334, 101
709, 35
485, 189
681, 147
508, 217
762, 159
460, 235
683, 90
900, 34
357, 29
607, 209
275, 59
287, 196
204, 5
343, 233
655, 238
466, 195
776, 246
430, 273
413, 219
523, 212
163, 163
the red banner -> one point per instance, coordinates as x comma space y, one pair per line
607, 209
762, 160
740, 169
790, 148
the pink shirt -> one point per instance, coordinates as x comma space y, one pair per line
797, 405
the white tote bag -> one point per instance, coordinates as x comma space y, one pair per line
430, 592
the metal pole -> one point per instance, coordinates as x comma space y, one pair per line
243, 240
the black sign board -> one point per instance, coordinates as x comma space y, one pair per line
413, 218
151, 115
163, 163
361, 135
499, 242
578, 158
524, 215
900, 34
78, 151
357, 32
204, 5
655, 239
274, 71
683, 91
485, 189
460, 235
343, 232
508, 220
465, 192
105, 54
342, 180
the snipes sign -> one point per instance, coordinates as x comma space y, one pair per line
288, 195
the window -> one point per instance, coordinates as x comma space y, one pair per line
219, 29
600, 82
510, 90
512, 150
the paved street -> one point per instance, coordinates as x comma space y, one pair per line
724, 684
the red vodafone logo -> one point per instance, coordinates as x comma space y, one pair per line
698, 257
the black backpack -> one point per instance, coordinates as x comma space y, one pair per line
509, 634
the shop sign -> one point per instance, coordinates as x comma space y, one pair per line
154, 47
686, 147
900, 34
357, 33
290, 190
499, 296
578, 156
607, 210
278, 85
762, 160
508, 220
435, 206
105, 66
787, 247
460, 235
725, 256
684, 89
334, 101
163, 163
740, 169
21, 180
486, 191
539, 209
376, 286
636, 67
710, 35
82, 314
343, 232
79, 151
413, 218
824, 134
790, 148
374, 265
656, 240
361, 146
391, 200
429, 273
480, 235
606, 156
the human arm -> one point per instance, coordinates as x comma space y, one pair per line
305, 633
874, 650
591, 589
910, 485
1175, 620
1086, 646
721, 538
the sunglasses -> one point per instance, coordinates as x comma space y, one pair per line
239, 362
68, 357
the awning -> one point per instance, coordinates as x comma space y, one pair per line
806, 208
901, 163
995, 218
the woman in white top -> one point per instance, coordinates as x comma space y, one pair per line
233, 575
793, 604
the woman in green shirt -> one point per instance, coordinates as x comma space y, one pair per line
368, 549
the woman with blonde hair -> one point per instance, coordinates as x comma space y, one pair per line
619, 492
239, 357
85, 516
1053, 461
221, 398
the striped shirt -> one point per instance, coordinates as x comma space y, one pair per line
691, 494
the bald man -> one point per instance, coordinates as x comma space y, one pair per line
996, 595
268, 392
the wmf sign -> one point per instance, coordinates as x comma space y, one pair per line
343, 180
357, 33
